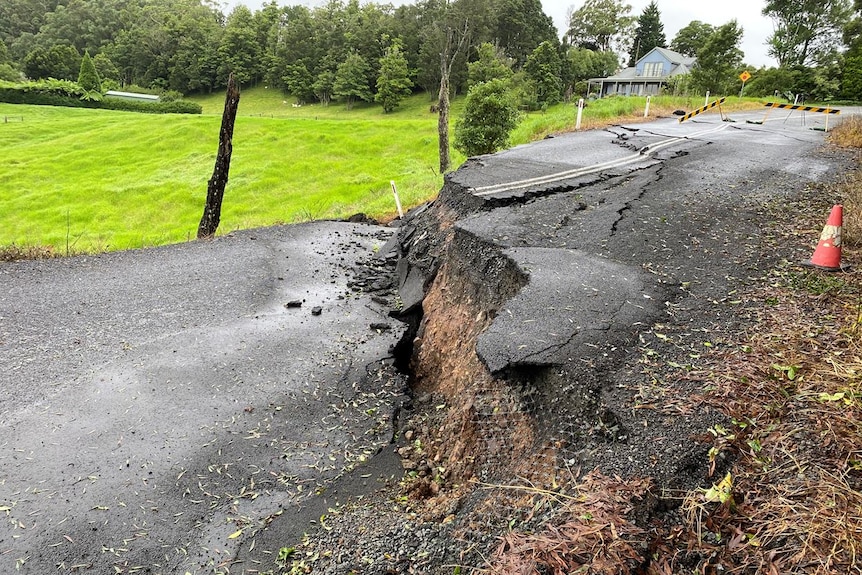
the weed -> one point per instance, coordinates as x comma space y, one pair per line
15, 252
848, 134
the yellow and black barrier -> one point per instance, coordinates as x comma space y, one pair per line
701, 110
802, 108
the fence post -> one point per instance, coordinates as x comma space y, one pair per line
646, 109
580, 113
397, 199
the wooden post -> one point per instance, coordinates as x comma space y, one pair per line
646, 108
216, 185
580, 113
397, 199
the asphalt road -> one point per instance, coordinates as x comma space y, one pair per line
164, 412
161, 406
590, 216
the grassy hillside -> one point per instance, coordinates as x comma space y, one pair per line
89, 180
93, 180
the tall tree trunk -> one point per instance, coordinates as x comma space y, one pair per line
447, 60
215, 187
443, 117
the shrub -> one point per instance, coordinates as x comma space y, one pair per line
9, 74
490, 114
88, 77
70, 94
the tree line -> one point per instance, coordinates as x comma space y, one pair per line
348, 51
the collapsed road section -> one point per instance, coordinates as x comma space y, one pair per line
542, 314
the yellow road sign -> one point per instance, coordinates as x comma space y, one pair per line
745, 76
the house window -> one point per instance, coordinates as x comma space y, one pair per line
653, 69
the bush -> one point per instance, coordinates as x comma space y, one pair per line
490, 114
88, 77
70, 94
9, 74
171, 96
181, 107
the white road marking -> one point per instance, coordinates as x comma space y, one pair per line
641, 154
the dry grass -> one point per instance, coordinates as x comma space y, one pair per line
792, 388
15, 252
794, 391
593, 533
848, 134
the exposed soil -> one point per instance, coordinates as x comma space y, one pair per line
590, 458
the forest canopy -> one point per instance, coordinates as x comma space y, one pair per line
342, 48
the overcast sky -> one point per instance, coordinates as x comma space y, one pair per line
675, 14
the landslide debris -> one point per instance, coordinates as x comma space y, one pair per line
558, 415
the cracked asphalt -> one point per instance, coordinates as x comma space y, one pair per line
161, 407
165, 412
592, 244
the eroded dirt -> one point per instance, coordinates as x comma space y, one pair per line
593, 421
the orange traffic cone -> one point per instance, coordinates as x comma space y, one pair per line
827, 256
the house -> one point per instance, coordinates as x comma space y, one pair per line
646, 77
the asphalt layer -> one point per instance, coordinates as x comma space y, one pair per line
165, 411
162, 406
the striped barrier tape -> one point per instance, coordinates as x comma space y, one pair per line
803, 108
701, 110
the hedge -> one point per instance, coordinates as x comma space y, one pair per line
70, 94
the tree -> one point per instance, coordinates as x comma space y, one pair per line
455, 40
351, 80
239, 51
851, 81
490, 114
393, 83
600, 25
7, 72
171, 43
62, 62
518, 26
323, 86
491, 63
88, 77
23, 17
852, 32
806, 31
692, 38
544, 69
649, 33
718, 60
105, 68
299, 81
851, 74
579, 64
86, 25
583, 63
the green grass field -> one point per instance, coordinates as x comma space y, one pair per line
90, 180
97, 179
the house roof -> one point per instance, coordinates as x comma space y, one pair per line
674, 57
679, 65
